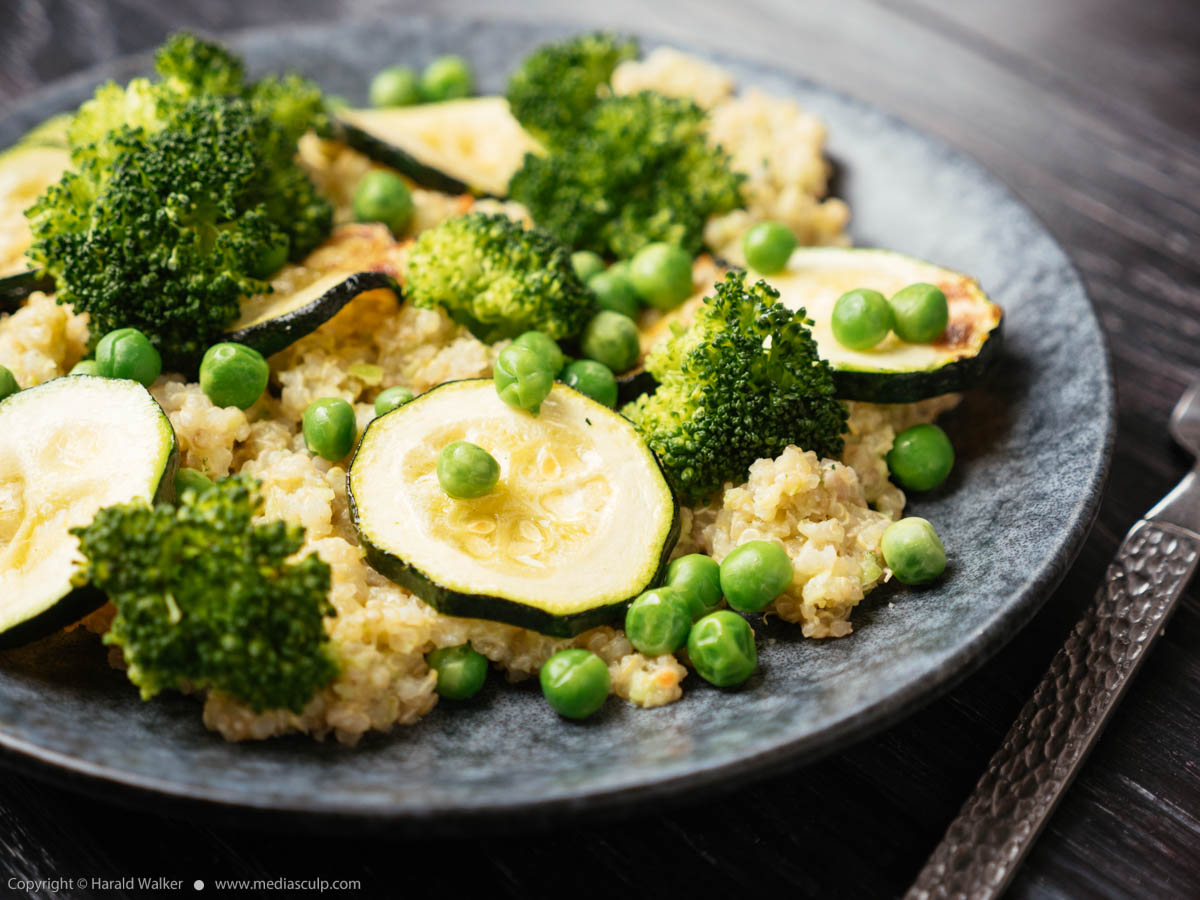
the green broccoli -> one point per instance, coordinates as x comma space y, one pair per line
558, 83
498, 278
741, 383
188, 68
207, 599
177, 227
637, 170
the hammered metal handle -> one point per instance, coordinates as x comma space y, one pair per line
1058, 726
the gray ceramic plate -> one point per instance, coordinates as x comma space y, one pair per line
1033, 449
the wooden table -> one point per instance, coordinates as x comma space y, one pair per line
1089, 111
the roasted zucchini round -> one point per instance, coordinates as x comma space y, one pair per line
580, 522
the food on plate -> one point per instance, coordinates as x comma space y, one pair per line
658, 621
329, 428
472, 144
913, 550
461, 671
523, 377
374, 400
207, 598
575, 682
497, 278
921, 457
721, 648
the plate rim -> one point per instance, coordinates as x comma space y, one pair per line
1029, 596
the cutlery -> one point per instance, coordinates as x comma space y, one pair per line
1060, 724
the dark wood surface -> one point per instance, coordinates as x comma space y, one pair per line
1089, 110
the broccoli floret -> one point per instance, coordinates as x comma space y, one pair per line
169, 235
498, 278
207, 599
558, 83
292, 102
637, 170
189, 66
741, 383
181, 191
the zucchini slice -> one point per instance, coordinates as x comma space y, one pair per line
894, 371
26, 170
271, 322
455, 146
581, 521
68, 448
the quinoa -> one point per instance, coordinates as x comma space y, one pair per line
42, 340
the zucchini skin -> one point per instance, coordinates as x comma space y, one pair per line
451, 602
86, 599
15, 288
65, 611
400, 160
276, 334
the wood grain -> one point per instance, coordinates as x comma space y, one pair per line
1087, 109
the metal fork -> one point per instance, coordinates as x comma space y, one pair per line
1060, 724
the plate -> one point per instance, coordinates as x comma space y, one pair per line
1033, 449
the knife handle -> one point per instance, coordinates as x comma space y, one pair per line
1047, 744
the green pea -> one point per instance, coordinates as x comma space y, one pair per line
392, 398
586, 264
594, 379
127, 353
191, 480
658, 621
545, 346
913, 551
466, 471
921, 313
273, 255
754, 574
461, 671
921, 457
768, 246
698, 578
233, 375
575, 682
721, 648
395, 86
85, 367
612, 339
523, 378
447, 78
329, 428
662, 275
383, 196
861, 319
622, 267
613, 291
8, 383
